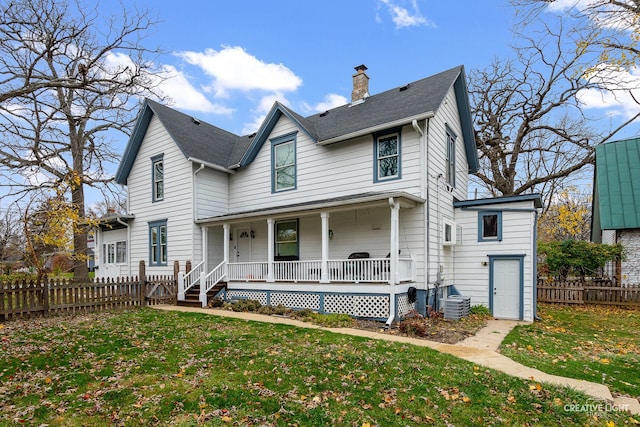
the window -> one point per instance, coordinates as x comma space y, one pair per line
287, 237
114, 253
489, 226
158, 243
387, 157
449, 232
450, 167
157, 178
283, 159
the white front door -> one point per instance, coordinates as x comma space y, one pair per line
243, 245
506, 281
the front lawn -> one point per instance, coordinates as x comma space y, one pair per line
594, 343
148, 367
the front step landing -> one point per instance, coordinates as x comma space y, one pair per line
192, 296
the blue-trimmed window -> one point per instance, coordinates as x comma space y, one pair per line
158, 243
283, 163
450, 166
287, 238
489, 226
157, 177
387, 152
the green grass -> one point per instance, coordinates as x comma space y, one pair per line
147, 367
593, 343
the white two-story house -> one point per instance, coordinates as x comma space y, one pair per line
361, 209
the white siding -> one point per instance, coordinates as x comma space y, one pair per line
212, 193
472, 256
176, 208
322, 171
630, 268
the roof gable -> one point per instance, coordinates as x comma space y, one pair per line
617, 184
196, 139
392, 108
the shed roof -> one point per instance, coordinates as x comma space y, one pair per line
617, 185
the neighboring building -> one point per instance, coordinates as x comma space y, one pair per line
616, 203
359, 209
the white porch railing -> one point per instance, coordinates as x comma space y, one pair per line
370, 270
210, 281
189, 280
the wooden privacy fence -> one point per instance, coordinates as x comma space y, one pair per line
27, 299
587, 292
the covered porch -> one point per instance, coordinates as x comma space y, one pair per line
349, 246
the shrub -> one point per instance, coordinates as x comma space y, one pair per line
481, 310
577, 257
247, 305
414, 326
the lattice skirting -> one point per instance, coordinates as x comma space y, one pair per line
369, 306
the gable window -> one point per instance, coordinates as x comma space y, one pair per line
157, 177
283, 160
287, 237
387, 156
114, 253
489, 226
158, 243
450, 166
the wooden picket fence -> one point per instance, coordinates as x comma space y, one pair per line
588, 292
26, 299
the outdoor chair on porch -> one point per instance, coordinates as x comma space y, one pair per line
354, 269
384, 266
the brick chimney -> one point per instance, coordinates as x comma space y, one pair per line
360, 84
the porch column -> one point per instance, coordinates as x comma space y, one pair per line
394, 243
205, 248
226, 231
324, 275
270, 246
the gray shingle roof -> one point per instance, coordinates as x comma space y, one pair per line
202, 141
419, 97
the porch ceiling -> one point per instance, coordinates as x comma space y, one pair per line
335, 204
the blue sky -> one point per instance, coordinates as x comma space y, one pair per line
230, 60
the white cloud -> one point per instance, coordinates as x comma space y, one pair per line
403, 17
232, 68
263, 107
185, 96
330, 101
620, 102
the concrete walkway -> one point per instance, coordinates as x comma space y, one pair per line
479, 349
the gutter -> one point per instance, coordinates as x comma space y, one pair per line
373, 129
211, 165
195, 190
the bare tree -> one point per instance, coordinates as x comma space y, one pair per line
11, 239
71, 82
532, 132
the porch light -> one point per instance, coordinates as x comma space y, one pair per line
252, 234
331, 234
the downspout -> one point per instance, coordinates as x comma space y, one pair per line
424, 193
195, 191
128, 242
395, 218
195, 212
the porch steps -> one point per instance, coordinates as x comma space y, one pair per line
192, 296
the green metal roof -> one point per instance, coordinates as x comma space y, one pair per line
618, 184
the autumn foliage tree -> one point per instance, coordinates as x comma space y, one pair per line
568, 217
70, 80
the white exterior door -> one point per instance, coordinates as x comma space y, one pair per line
506, 281
243, 245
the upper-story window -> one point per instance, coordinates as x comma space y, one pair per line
489, 226
387, 151
450, 166
157, 177
283, 160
